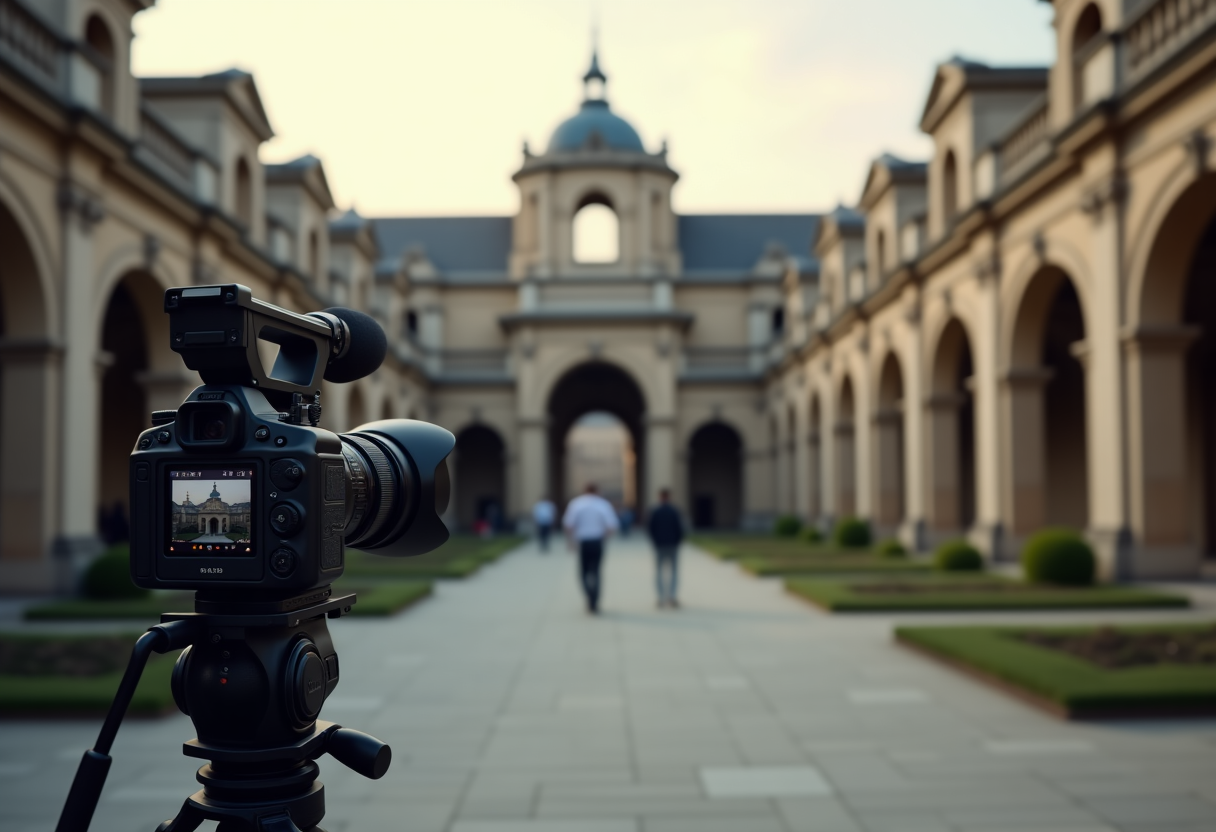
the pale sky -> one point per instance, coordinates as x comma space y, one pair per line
420, 107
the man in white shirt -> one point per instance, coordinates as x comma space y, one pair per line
589, 521
543, 515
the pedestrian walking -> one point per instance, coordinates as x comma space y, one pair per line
666, 534
589, 521
543, 515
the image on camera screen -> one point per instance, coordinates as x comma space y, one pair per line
210, 511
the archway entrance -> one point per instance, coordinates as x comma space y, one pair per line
815, 460
595, 386
28, 381
215, 526
952, 433
1046, 389
889, 440
124, 403
599, 449
715, 477
480, 481
846, 469
1172, 391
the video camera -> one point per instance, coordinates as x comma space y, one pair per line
238, 494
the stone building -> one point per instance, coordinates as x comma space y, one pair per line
1018, 331
211, 517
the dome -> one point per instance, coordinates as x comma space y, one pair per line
595, 126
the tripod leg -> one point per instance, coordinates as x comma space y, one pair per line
277, 823
187, 820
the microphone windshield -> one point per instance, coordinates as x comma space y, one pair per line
367, 348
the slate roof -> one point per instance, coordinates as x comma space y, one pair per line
734, 242
453, 244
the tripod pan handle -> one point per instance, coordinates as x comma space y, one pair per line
359, 752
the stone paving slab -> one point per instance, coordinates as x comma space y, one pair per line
511, 710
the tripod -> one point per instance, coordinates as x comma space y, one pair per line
252, 678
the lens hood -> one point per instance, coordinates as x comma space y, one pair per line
416, 453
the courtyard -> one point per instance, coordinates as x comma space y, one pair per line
511, 710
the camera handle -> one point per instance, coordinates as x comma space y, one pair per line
95, 765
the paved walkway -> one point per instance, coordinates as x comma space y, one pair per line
510, 710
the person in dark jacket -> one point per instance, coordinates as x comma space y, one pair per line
666, 533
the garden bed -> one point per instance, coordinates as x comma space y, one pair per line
460, 557
949, 592
834, 565
55, 675
1042, 666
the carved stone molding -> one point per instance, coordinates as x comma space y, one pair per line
1198, 147
77, 203
151, 251
1107, 194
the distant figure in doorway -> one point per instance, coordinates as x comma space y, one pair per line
543, 515
626, 520
589, 521
666, 534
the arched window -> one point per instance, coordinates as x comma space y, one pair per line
101, 54
778, 321
314, 255
880, 255
1084, 40
244, 193
597, 231
949, 187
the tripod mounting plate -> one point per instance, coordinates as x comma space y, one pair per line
308, 747
332, 608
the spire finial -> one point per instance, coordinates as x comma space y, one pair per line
595, 81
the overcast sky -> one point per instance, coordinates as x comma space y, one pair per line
421, 106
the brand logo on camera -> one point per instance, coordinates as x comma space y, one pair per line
211, 570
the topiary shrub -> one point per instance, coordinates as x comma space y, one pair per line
891, 548
1058, 556
851, 533
110, 576
787, 525
812, 535
958, 556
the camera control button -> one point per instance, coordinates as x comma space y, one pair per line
280, 441
262, 433
141, 472
286, 474
285, 519
145, 442
163, 436
283, 562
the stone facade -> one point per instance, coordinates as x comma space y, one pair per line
1017, 332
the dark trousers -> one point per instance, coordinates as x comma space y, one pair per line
542, 531
665, 571
590, 554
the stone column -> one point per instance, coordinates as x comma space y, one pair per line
987, 532
916, 477
77, 541
30, 371
660, 459
846, 480
800, 462
781, 468
533, 468
1024, 451
1157, 438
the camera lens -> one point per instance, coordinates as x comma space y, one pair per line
215, 429
396, 486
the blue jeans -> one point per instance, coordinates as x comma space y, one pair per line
665, 578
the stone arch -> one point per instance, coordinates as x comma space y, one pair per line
595, 229
479, 479
951, 430
551, 372
1044, 389
29, 386
594, 386
889, 426
715, 475
1171, 364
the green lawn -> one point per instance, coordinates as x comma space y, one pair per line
1066, 684
769, 555
384, 598
83, 609
33, 693
968, 592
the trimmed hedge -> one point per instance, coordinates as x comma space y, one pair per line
958, 556
109, 577
852, 533
812, 535
1059, 556
891, 548
787, 525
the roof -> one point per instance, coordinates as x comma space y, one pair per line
236, 85
595, 127
956, 75
888, 170
734, 242
453, 244
306, 171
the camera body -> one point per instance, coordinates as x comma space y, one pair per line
228, 496
239, 495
